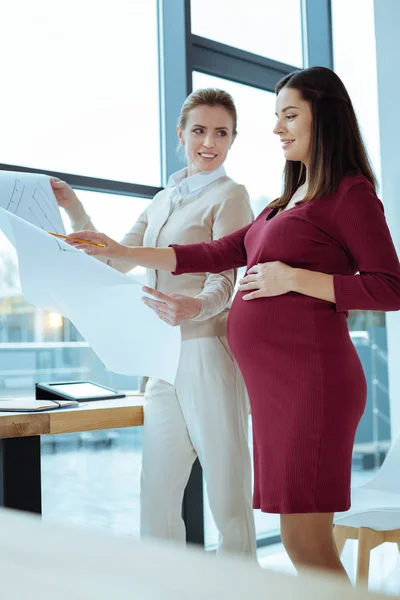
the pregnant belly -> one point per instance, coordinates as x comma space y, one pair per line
294, 346
284, 324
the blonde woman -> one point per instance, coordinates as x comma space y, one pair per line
205, 413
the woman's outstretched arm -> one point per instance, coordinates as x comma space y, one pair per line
213, 257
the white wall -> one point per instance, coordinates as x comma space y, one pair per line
387, 39
366, 57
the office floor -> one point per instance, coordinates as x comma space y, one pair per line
96, 485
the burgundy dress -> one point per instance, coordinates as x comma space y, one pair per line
306, 385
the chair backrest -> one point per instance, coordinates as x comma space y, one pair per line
388, 476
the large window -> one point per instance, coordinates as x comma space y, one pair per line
80, 88
112, 214
265, 27
81, 97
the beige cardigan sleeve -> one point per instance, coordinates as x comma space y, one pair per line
80, 221
234, 213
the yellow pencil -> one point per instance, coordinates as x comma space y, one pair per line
65, 237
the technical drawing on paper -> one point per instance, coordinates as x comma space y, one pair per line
63, 246
31, 197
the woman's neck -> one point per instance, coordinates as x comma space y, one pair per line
300, 192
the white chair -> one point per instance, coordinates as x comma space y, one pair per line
374, 516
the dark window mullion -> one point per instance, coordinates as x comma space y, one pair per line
93, 184
220, 60
317, 33
175, 76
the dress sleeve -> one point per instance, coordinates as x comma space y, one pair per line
226, 253
364, 233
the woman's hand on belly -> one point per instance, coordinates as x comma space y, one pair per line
267, 279
174, 309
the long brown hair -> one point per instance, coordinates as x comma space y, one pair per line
337, 148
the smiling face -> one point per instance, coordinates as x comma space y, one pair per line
207, 137
294, 125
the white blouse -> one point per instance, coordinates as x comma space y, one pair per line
184, 187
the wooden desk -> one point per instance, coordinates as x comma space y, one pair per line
20, 473
98, 414
20, 470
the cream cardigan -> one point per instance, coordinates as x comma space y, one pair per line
215, 211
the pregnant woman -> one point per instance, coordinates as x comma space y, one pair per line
320, 250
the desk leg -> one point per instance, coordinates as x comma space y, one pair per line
193, 506
20, 477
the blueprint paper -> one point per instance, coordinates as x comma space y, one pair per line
31, 197
103, 304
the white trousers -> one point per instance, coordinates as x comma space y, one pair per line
206, 415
